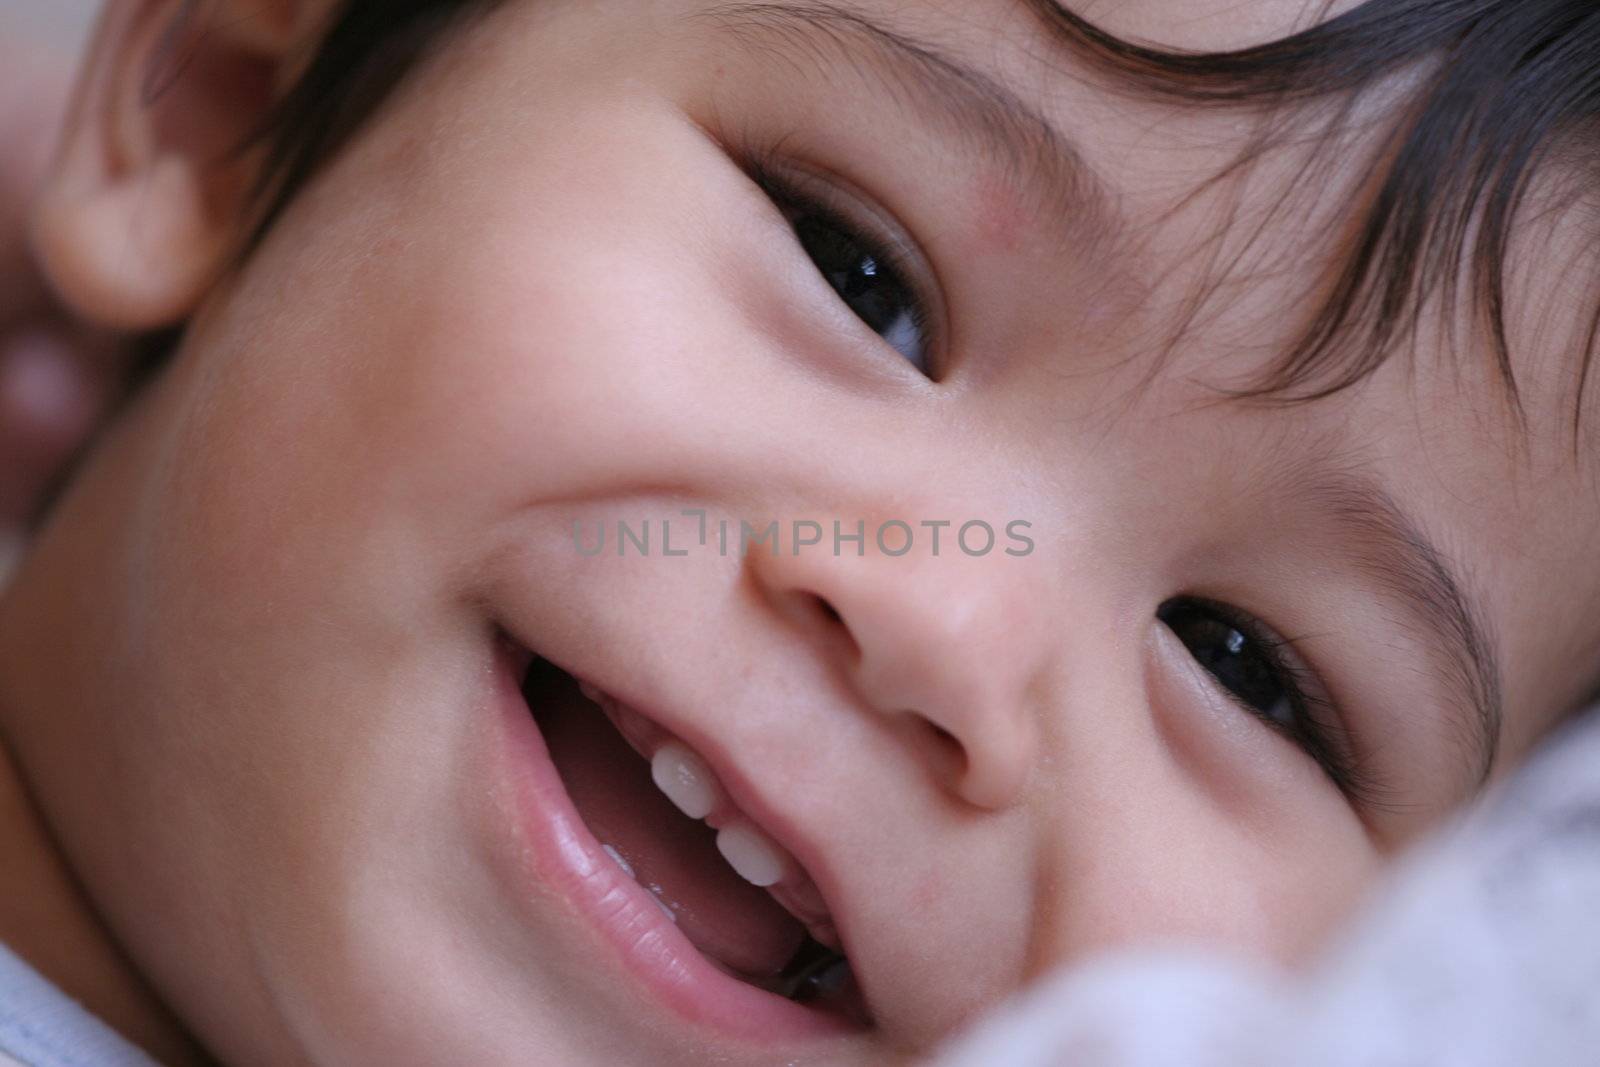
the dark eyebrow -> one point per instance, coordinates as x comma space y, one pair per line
1393, 551
996, 123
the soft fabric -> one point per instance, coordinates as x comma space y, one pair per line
1483, 951
40, 1026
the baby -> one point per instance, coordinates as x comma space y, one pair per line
692, 531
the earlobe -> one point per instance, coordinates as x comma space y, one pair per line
131, 254
149, 192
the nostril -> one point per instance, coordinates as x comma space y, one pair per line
835, 630
936, 748
949, 751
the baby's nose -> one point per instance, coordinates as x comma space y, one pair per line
945, 646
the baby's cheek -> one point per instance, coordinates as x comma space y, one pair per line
1152, 856
1184, 899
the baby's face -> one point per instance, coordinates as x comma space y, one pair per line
1218, 663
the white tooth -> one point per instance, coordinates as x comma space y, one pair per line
627, 867
756, 857
685, 779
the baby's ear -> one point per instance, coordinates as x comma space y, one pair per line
149, 190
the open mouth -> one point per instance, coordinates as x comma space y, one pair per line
694, 863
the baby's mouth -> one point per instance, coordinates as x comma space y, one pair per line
660, 812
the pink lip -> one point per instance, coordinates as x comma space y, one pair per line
561, 853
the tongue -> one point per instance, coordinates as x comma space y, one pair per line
725, 917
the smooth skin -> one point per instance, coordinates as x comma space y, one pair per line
244, 675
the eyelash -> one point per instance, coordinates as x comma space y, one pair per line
773, 173
1317, 731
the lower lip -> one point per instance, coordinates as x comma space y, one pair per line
563, 855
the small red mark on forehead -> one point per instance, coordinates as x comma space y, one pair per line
998, 215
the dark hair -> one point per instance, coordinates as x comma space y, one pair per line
1512, 84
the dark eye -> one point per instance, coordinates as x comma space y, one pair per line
861, 254
1262, 673
867, 280
1243, 665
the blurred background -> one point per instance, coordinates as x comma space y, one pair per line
47, 391
60, 23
